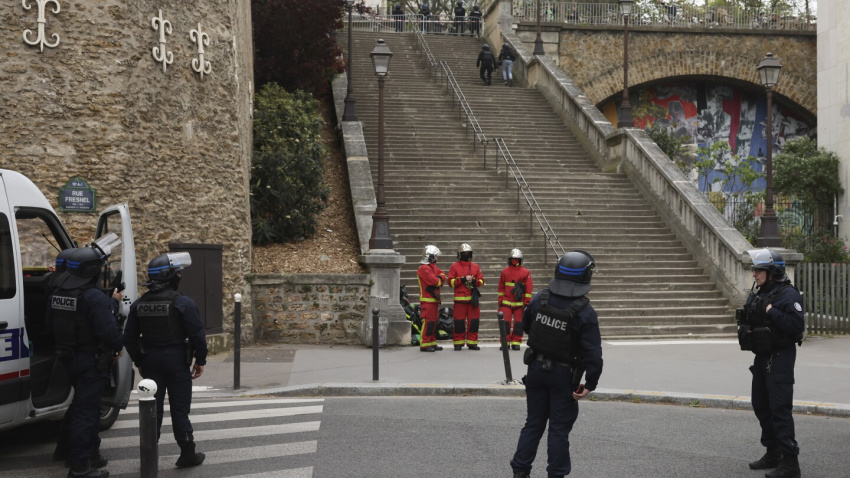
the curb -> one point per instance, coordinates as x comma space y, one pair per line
517, 390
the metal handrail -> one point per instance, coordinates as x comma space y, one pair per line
534, 207
471, 120
407, 23
432, 62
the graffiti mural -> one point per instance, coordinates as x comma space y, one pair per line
709, 113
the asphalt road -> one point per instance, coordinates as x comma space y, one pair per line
440, 437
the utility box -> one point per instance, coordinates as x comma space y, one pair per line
202, 282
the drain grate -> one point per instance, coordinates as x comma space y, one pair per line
271, 355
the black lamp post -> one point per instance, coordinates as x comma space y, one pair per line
348, 113
768, 69
538, 42
624, 114
381, 239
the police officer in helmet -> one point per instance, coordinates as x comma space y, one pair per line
158, 327
771, 325
564, 342
87, 341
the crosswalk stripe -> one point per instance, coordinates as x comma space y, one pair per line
166, 462
293, 473
238, 403
242, 415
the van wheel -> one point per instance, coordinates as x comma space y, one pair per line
108, 415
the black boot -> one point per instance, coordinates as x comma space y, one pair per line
789, 467
84, 469
473, 347
521, 474
770, 460
188, 457
458, 347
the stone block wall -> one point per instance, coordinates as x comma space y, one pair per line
309, 308
174, 145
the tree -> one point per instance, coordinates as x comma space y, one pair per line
808, 173
293, 43
287, 185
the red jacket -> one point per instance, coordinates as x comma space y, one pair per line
463, 292
511, 276
430, 275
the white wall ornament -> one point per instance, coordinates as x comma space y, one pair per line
200, 65
41, 40
160, 53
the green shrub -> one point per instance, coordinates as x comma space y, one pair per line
672, 146
287, 186
821, 249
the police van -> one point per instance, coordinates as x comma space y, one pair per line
33, 382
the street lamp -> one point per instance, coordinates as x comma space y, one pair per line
769, 233
624, 114
538, 42
348, 113
381, 239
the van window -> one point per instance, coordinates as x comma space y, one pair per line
38, 246
111, 223
7, 260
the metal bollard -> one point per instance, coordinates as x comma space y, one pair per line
375, 343
237, 342
148, 452
503, 332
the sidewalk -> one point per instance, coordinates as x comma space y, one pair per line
710, 373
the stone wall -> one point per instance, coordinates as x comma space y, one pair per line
592, 56
174, 145
309, 308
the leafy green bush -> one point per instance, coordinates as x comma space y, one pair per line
287, 186
826, 250
670, 144
807, 172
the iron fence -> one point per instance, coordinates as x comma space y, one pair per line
826, 297
795, 217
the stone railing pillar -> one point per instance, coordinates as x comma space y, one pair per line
385, 284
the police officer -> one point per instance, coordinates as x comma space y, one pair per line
398, 14
87, 340
460, 18
171, 331
475, 22
770, 325
430, 279
425, 12
485, 63
563, 341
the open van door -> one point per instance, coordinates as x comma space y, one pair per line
116, 219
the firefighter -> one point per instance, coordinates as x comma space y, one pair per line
515, 291
430, 279
465, 277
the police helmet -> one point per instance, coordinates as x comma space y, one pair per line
770, 261
486, 47
515, 254
82, 266
163, 269
573, 274
61, 269
431, 254
460, 4
464, 252
475, 8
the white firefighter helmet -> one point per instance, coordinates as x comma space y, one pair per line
431, 254
464, 252
515, 254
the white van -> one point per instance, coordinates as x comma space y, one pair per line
33, 383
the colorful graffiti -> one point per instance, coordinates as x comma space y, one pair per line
709, 113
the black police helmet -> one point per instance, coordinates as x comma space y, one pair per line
83, 265
61, 269
163, 268
486, 47
770, 261
573, 274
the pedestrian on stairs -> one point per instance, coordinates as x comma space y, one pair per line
465, 277
430, 279
460, 18
771, 325
475, 22
515, 288
486, 62
507, 57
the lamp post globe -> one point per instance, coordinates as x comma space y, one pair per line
768, 69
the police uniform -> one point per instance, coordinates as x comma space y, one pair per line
86, 339
563, 333
460, 16
485, 63
475, 21
773, 335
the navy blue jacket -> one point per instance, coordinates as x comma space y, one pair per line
191, 318
585, 326
98, 307
786, 313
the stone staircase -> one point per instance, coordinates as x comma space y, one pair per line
438, 192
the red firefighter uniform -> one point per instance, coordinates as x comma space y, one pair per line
430, 279
464, 313
511, 306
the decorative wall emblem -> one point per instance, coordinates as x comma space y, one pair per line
160, 53
40, 40
200, 65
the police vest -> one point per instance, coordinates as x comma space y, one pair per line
758, 304
551, 335
72, 331
158, 319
